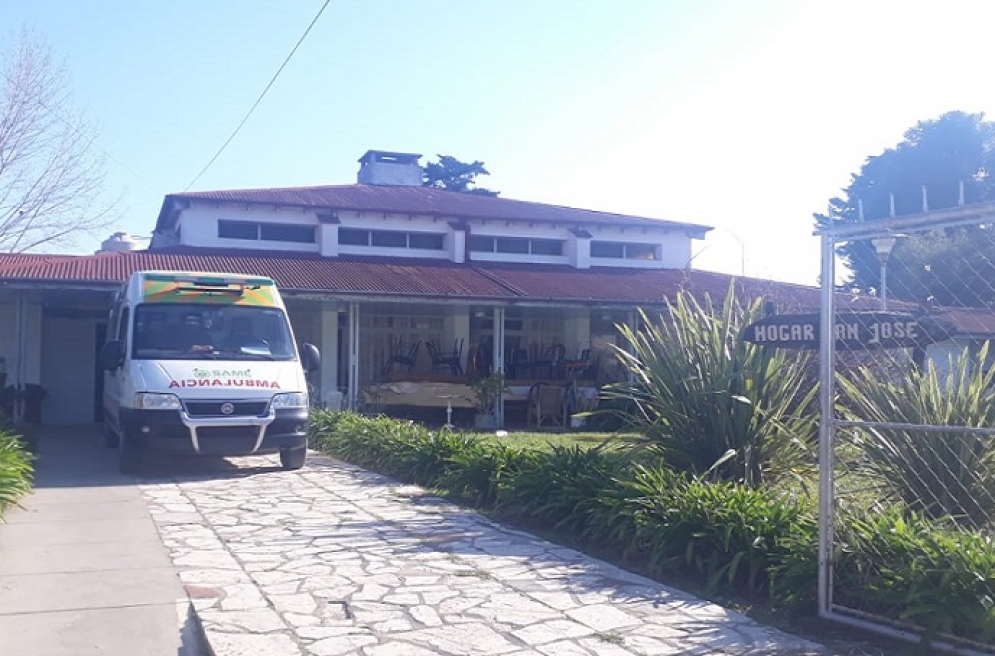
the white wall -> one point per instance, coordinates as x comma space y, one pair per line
675, 246
199, 226
491, 228
329, 347
943, 354
402, 223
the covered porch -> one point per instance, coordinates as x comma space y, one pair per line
423, 359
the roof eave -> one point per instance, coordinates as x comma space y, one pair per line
693, 230
170, 211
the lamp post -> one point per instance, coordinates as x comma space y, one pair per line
883, 247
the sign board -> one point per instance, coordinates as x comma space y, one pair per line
853, 330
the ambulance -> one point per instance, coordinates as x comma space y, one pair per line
204, 363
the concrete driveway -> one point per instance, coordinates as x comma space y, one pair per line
82, 567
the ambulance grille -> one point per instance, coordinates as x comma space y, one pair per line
213, 408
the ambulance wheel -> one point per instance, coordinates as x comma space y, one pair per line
293, 458
129, 456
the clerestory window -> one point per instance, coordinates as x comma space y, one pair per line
624, 250
515, 245
254, 230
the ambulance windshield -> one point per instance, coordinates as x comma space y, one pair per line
185, 331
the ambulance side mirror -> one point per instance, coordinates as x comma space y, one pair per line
310, 357
112, 355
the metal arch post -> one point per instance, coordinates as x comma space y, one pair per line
353, 399
498, 359
827, 429
20, 371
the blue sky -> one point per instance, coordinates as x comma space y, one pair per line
745, 116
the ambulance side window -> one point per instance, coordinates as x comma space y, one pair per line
122, 328
112, 322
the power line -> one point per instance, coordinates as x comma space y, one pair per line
260, 98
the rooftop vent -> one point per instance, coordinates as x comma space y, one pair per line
379, 167
119, 242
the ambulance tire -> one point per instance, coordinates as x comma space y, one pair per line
129, 456
293, 458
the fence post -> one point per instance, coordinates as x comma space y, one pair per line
826, 423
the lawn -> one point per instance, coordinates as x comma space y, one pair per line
546, 441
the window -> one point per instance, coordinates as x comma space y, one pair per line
547, 247
640, 252
426, 241
624, 250
354, 237
122, 331
300, 234
512, 245
516, 245
389, 238
168, 331
392, 239
238, 230
481, 244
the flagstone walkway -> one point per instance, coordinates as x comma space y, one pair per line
333, 559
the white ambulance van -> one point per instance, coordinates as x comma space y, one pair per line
204, 363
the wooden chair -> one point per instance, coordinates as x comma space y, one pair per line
516, 362
402, 354
549, 362
546, 405
451, 361
578, 368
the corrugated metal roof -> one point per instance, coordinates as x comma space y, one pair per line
969, 321
382, 277
399, 278
407, 278
13, 260
414, 200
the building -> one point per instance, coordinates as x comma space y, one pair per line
408, 291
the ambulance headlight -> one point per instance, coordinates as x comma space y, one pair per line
151, 401
290, 400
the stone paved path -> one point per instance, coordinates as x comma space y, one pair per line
337, 560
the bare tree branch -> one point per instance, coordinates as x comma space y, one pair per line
51, 171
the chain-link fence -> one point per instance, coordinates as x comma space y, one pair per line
908, 425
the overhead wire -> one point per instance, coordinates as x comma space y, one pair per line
260, 98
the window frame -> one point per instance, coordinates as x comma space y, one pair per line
640, 247
309, 233
494, 241
371, 238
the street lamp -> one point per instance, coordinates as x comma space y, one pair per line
883, 247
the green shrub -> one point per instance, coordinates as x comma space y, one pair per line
730, 534
909, 568
427, 455
365, 441
477, 473
941, 474
712, 402
562, 487
15, 469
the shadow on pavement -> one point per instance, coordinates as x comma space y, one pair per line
75, 456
